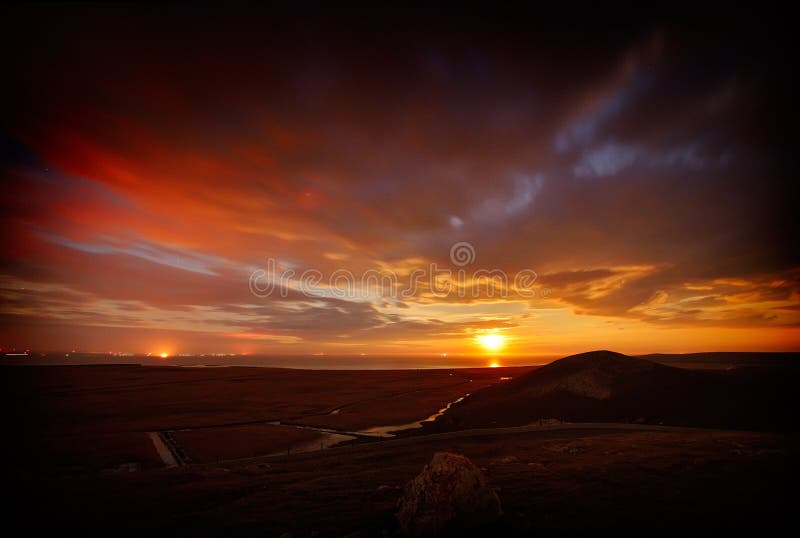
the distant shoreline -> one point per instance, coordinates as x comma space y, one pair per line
381, 362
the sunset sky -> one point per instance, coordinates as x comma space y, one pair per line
154, 158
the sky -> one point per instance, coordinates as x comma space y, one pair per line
163, 167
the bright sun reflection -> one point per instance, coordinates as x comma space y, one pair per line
164, 355
491, 341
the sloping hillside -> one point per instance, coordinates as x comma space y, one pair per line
604, 386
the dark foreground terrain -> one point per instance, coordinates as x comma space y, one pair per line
603, 481
78, 452
98, 418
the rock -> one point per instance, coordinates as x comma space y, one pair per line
507, 459
570, 448
385, 491
450, 494
538, 467
130, 467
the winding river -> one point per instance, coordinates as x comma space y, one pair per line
328, 437
331, 437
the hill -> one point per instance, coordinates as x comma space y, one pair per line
729, 360
604, 386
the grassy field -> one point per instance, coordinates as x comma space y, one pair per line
548, 482
53, 411
78, 456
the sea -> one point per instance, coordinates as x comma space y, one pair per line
304, 362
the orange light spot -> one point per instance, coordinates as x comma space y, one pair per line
491, 341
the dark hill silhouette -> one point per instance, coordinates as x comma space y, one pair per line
729, 360
604, 386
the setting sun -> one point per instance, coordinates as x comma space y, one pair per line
491, 341
164, 355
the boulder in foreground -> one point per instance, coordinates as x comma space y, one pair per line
449, 495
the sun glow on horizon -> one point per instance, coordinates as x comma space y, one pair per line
491, 341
